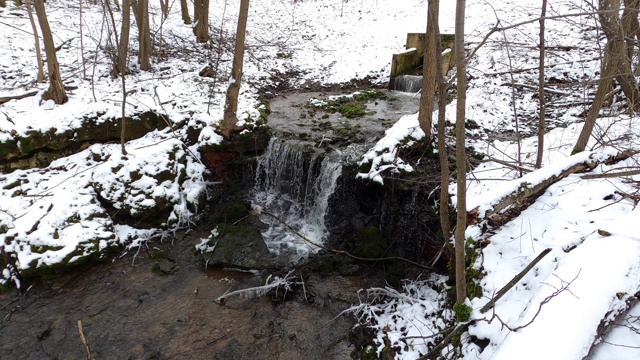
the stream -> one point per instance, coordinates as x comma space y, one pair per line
158, 302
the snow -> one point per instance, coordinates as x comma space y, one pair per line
54, 215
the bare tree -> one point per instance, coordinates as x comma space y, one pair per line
445, 226
201, 17
84, 63
56, 89
144, 35
164, 7
184, 9
229, 123
425, 114
123, 46
40, 76
541, 120
120, 62
461, 159
616, 63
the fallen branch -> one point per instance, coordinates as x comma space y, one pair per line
4, 99
258, 291
549, 90
514, 281
611, 174
526, 190
84, 339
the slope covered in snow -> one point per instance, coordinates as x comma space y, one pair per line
54, 214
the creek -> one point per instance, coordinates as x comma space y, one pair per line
158, 303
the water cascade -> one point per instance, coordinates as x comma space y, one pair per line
294, 185
408, 83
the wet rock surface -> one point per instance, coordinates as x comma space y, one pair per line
129, 311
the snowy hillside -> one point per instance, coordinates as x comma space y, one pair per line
51, 215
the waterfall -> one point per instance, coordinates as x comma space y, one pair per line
294, 185
408, 83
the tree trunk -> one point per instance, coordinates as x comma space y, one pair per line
461, 159
201, 15
144, 35
40, 76
630, 25
228, 126
123, 48
613, 28
164, 6
445, 226
425, 115
56, 89
615, 64
604, 84
542, 114
184, 9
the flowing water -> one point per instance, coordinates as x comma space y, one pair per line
294, 186
408, 83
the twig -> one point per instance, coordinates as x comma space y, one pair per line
547, 299
84, 339
611, 175
513, 281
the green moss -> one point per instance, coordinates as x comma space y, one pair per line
155, 268
369, 353
369, 243
387, 353
370, 94
462, 311
352, 110
157, 254
235, 211
324, 265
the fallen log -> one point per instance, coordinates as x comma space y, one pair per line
524, 190
4, 99
609, 320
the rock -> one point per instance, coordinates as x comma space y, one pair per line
239, 247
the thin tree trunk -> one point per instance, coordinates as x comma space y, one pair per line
542, 114
164, 6
613, 28
445, 226
123, 47
461, 159
184, 9
40, 76
84, 64
56, 89
144, 35
604, 84
630, 25
201, 14
229, 123
425, 115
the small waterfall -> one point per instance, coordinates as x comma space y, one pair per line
295, 186
408, 83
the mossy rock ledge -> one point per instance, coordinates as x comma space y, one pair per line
38, 148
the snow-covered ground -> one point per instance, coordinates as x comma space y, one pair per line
52, 214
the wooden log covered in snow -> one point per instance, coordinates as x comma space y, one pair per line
520, 192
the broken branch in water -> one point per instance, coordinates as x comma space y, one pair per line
257, 291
